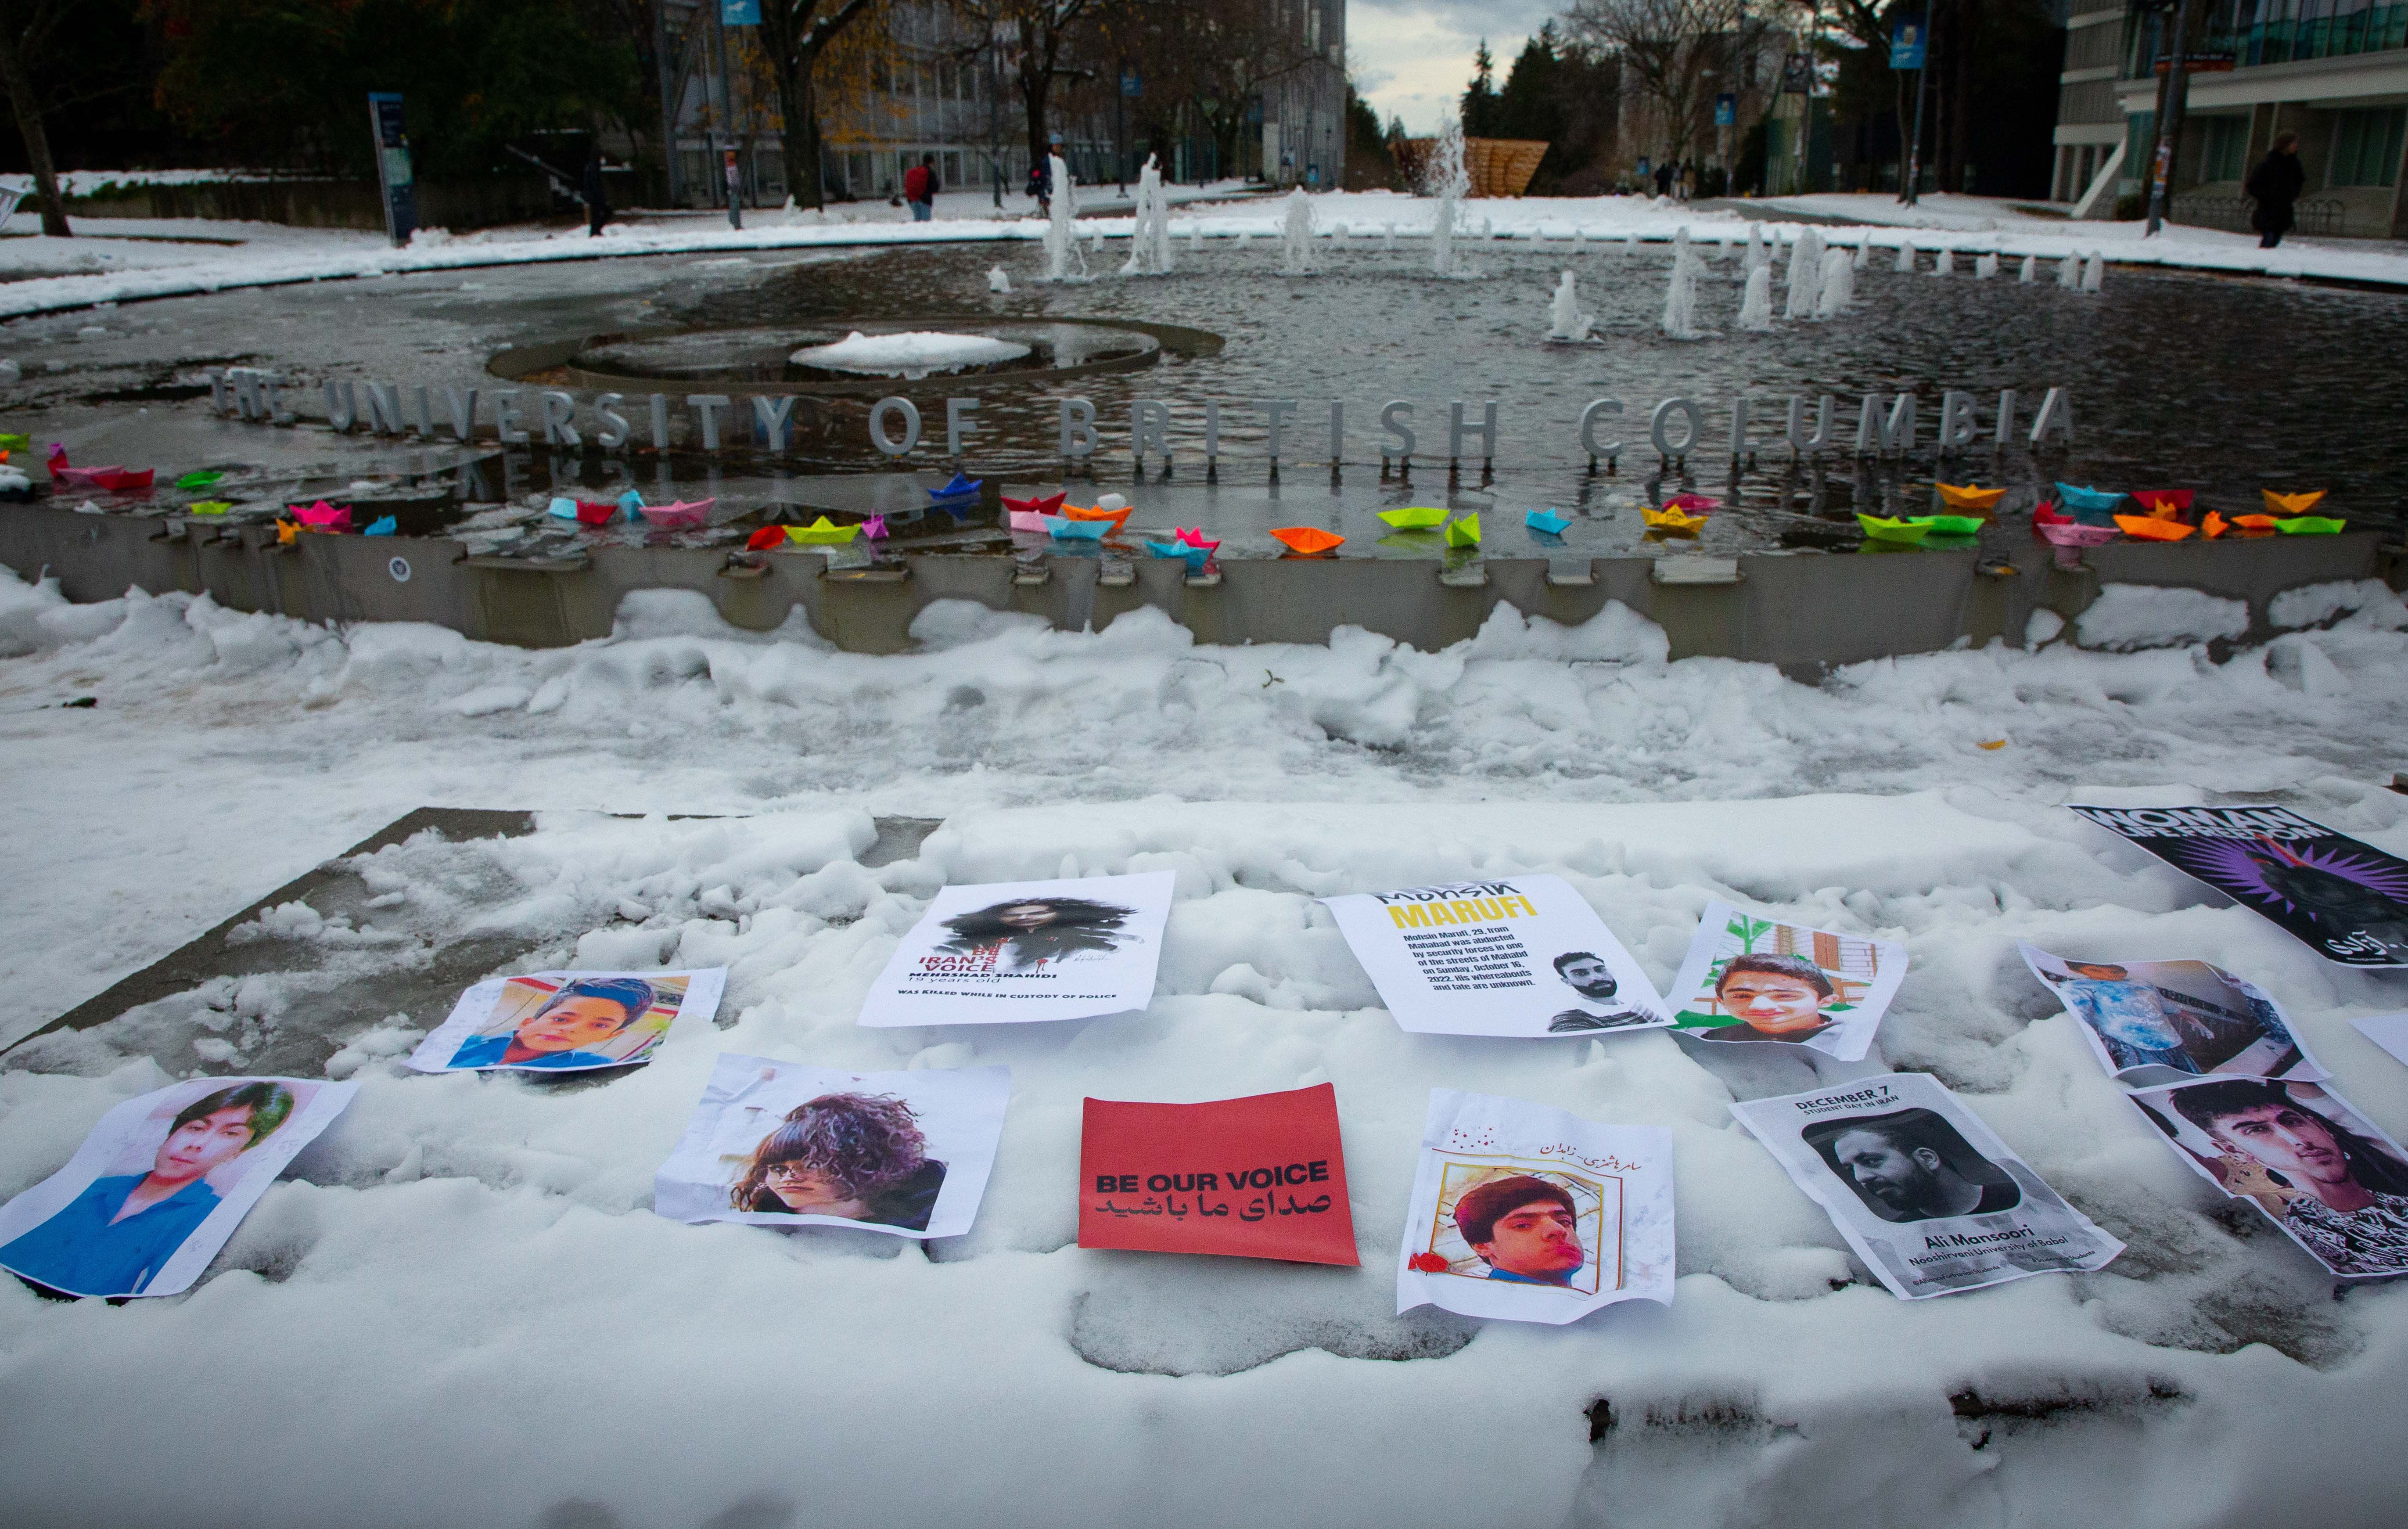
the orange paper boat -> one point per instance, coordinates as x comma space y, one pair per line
2289, 504
1071, 511
1970, 497
2212, 526
1305, 541
2254, 524
2150, 528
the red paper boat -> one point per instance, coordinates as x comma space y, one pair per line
110, 479
1195, 538
322, 516
1049, 505
2164, 502
766, 538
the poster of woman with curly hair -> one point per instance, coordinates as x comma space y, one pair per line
779, 1143
1013, 951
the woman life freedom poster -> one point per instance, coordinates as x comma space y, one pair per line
1009, 952
1519, 956
1533, 1215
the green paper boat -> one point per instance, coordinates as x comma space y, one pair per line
1881, 529
209, 507
192, 483
1417, 517
15, 443
1950, 525
2311, 525
1463, 532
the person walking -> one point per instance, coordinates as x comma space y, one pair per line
597, 202
920, 188
1664, 179
2275, 185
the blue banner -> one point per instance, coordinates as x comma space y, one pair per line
1906, 45
1725, 109
739, 13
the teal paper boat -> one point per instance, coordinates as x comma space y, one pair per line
1063, 528
1195, 557
2096, 501
1546, 522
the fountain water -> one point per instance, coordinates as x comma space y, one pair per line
998, 279
2030, 270
1838, 284
1985, 267
1629, 244
1805, 274
1864, 251
1388, 236
2069, 273
1680, 292
1565, 319
1450, 183
1194, 234
1756, 308
2095, 273
1061, 239
1755, 252
1150, 234
1945, 265
1905, 256
1295, 248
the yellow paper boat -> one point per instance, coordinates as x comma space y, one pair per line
1463, 532
1970, 497
820, 533
1414, 517
1678, 522
2292, 504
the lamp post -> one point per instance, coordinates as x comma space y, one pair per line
1911, 192
2174, 98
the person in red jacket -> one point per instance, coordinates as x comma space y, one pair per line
920, 188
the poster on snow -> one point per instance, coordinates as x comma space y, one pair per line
1022, 950
781, 1144
1928, 1197
566, 1021
2347, 900
1526, 956
1748, 978
2387, 1030
2161, 1022
162, 1182
1528, 1214
2326, 1175
1262, 1176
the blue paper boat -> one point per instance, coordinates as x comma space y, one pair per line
1063, 528
381, 525
565, 507
2096, 501
962, 487
1195, 557
1546, 521
632, 505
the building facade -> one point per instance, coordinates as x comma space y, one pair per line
2333, 71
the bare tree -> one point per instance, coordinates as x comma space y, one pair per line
1678, 54
793, 34
1042, 40
28, 28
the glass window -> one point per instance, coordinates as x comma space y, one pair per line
2228, 145
2366, 147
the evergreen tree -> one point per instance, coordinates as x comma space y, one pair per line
1531, 106
1479, 100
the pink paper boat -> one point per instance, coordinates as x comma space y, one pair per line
112, 479
1195, 538
874, 528
322, 516
2063, 534
1026, 520
1693, 503
679, 516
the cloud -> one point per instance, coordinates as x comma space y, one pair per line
1413, 57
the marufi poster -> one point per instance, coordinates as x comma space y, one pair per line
781, 1144
1262, 1176
2330, 1178
1530, 1214
160, 1184
1023, 950
566, 1021
2161, 1022
2347, 900
1929, 1198
1524, 956
1752, 978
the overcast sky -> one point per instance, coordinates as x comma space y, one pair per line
1411, 57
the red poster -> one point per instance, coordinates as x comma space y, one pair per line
1257, 1177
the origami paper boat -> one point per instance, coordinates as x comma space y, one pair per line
1671, 520
1414, 517
2311, 525
1695, 503
1546, 522
383, 526
1951, 525
2292, 504
1044, 506
1463, 532
766, 538
2046, 514
1063, 528
192, 483
874, 528
113, 478
1026, 520
818, 533
2095, 500
1117, 518
2151, 529
209, 507
322, 516
2212, 526
1305, 541
684, 515
2164, 503
1194, 536
1970, 497
583, 512
1195, 557
10, 442
2254, 524
962, 487
1884, 529
2076, 534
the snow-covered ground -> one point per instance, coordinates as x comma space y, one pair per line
31, 269
460, 1309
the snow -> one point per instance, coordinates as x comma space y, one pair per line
65, 274
404, 1315
2130, 616
912, 354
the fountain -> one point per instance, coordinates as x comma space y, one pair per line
1838, 284
2095, 273
1905, 256
1450, 183
1296, 249
1985, 267
1756, 252
2030, 270
1805, 274
1756, 308
1150, 234
2069, 272
1945, 263
1566, 321
1680, 291
1061, 237
998, 279
1864, 251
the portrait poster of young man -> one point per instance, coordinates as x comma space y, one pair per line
2160, 1022
1752, 978
567, 1021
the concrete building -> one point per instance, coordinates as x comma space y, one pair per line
2333, 71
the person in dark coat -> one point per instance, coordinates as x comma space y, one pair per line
2275, 184
597, 204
